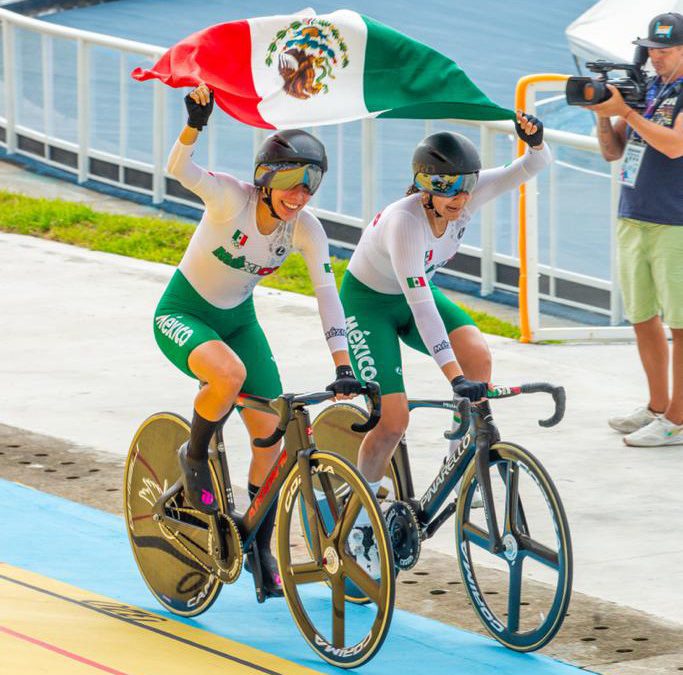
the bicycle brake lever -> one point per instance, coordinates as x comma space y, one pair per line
373, 392
463, 407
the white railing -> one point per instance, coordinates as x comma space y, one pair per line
127, 167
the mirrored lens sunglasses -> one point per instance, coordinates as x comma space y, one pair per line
288, 176
445, 185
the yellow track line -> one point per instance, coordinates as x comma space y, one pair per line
50, 627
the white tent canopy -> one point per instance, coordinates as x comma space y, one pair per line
608, 28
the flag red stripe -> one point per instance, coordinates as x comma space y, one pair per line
221, 57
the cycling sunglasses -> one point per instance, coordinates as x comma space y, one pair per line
288, 176
444, 185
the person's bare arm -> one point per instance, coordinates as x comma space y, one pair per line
668, 141
612, 138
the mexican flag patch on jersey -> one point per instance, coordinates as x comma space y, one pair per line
416, 282
239, 239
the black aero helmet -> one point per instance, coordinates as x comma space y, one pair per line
291, 146
446, 152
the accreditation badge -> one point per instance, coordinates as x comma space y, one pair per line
630, 164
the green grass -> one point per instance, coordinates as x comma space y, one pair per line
158, 240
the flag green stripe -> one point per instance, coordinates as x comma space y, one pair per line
408, 79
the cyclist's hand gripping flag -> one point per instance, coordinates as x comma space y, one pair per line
302, 70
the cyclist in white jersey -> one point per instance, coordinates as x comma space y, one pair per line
388, 295
205, 322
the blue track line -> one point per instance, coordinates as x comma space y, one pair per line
89, 549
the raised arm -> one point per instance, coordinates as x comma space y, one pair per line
494, 182
218, 191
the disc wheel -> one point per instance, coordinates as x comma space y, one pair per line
340, 632
333, 433
170, 561
521, 594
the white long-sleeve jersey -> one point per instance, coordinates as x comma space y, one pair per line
227, 255
399, 253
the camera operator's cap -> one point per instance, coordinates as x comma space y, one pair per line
666, 30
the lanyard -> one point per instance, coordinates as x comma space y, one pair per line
653, 100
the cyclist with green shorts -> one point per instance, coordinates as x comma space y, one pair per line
205, 322
387, 293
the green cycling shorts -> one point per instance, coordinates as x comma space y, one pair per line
184, 320
376, 321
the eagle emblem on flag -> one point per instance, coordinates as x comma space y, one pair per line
308, 52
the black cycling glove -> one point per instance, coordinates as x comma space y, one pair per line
534, 139
470, 389
346, 382
197, 114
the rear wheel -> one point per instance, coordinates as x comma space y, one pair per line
342, 633
521, 593
172, 562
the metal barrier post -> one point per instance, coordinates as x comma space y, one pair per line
83, 96
488, 231
47, 58
616, 304
123, 114
528, 216
368, 172
10, 86
159, 119
552, 236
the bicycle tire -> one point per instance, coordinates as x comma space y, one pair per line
510, 627
333, 433
299, 569
179, 582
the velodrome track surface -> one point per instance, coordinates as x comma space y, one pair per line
79, 362
72, 601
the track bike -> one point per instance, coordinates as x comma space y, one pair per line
185, 556
515, 553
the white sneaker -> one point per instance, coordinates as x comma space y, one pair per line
638, 419
363, 548
659, 432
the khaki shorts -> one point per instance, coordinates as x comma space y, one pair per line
651, 270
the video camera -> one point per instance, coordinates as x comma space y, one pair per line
633, 87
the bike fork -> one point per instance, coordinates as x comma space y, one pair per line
481, 463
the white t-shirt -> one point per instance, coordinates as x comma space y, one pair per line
399, 253
227, 255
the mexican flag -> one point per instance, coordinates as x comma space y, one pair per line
304, 69
416, 282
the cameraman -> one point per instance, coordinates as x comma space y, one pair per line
650, 229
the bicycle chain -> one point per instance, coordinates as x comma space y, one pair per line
225, 575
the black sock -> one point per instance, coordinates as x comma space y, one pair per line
265, 532
200, 437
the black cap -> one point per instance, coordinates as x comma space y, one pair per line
666, 30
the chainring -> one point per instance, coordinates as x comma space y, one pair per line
404, 532
229, 571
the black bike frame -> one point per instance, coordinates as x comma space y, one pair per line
297, 446
298, 436
480, 434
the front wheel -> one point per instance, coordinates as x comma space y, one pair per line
167, 557
314, 574
521, 593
